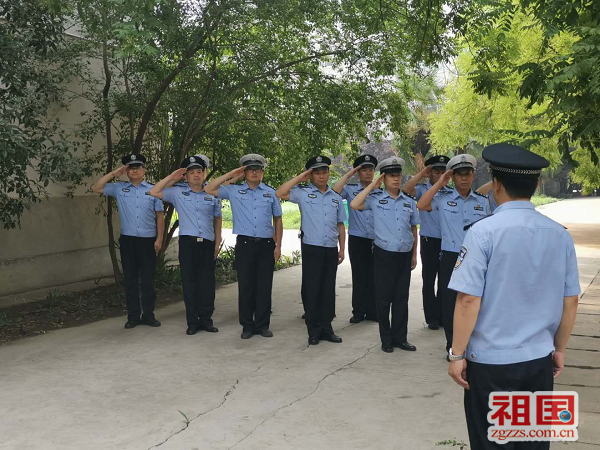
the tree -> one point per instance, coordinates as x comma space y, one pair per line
35, 148
560, 75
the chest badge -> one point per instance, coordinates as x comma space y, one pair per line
312, 195
407, 205
267, 195
383, 202
242, 191
479, 208
335, 201
208, 199
187, 194
125, 190
451, 203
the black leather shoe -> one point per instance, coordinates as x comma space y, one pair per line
131, 324
332, 338
448, 358
266, 333
406, 346
210, 329
433, 326
191, 329
388, 348
356, 319
151, 322
246, 334
313, 341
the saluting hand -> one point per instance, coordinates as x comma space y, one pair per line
178, 174
120, 171
458, 372
379, 180
446, 177
304, 176
353, 172
237, 174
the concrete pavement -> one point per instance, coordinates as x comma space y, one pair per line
103, 387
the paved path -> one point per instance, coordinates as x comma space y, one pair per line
103, 387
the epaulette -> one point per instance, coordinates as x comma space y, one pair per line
352, 184
466, 227
269, 186
180, 185
446, 189
480, 194
376, 191
410, 196
302, 185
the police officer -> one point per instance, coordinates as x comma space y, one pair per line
199, 239
323, 215
360, 239
431, 239
457, 208
142, 228
395, 219
257, 222
518, 287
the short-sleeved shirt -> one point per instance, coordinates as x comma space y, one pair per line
457, 212
253, 209
196, 211
430, 220
137, 208
320, 214
522, 264
360, 223
394, 219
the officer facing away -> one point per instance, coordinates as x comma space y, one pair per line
360, 239
518, 286
323, 215
199, 240
257, 222
142, 228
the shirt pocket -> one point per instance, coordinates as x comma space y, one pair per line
264, 203
450, 212
385, 210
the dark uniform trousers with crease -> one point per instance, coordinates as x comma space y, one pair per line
319, 270
447, 263
430, 265
138, 259
360, 250
392, 284
255, 261
528, 376
197, 265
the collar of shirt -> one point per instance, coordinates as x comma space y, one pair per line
314, 188
523, 204
386, 194
471, 194
130, 184
261, 185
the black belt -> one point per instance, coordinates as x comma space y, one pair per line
252, 238
193, 238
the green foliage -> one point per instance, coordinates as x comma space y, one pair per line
541, 199
556, 75
35, 146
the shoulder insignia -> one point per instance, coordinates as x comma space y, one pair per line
466, 227
270, 187
302, 185
336, 193
409, 196
480, 194
180, 185
352, 184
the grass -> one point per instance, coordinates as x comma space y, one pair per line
291, 215
541, 199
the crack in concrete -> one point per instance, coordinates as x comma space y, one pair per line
227, 394
582, 367
270, 416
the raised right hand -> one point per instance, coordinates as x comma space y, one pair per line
178, 174
304, 176
120, 171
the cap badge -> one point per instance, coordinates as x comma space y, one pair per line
192, 159
319, 159
463, 158
133, 157
367, 158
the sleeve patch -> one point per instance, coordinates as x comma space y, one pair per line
461, 257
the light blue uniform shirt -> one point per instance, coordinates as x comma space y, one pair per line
430, 220
360, 223
253, 209
521, 264
393, 218
455, 213
195, 209
320, 214
137, 208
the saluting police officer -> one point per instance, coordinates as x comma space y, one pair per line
199, 239
257, 222
142, 228
518, 287
395, 219
431, 239
360, 239
323, 215
457, 208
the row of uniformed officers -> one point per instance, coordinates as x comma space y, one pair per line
507, 289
